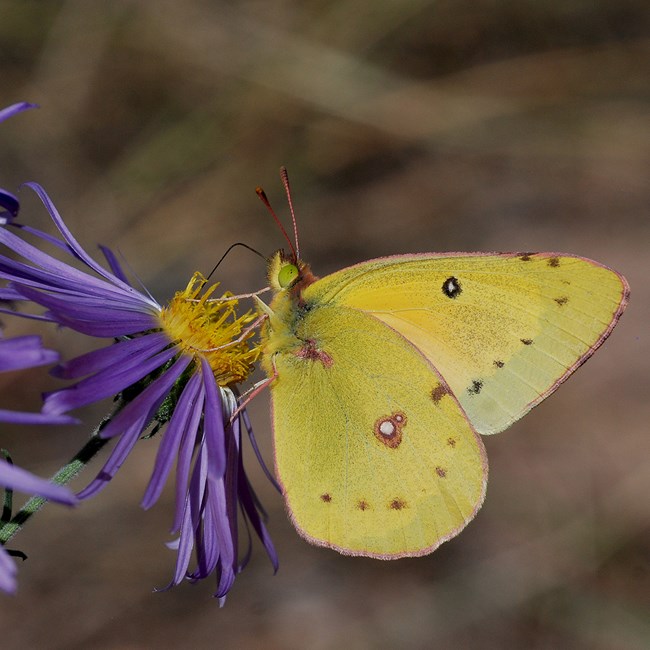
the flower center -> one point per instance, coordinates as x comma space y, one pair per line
210, 328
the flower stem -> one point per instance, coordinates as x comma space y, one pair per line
69, 471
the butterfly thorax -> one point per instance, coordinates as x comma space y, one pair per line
288, 278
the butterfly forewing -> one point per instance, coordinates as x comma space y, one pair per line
503, 330
374, 454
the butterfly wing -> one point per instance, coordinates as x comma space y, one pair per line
374, 454
504, 330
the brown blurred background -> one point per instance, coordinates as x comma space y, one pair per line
406, 126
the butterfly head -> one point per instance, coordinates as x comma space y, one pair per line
287, 273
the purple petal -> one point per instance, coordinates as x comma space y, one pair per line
205, 541
95, 316
251, 436
198, 486
123, 448
184, 548
114, 264
261, 531
55, 273
131, 422
19, 417
50, 239
105, 384
8, 572
213, 423
24, 352
14, 109
170, 443
10, 203
16, 478
249, 502
138, 323
112, 356
148, 401
230, 481
66, 282
12, 312
10, 293
89, 306
187, 446
226, 545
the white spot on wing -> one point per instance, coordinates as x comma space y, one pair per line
387, 428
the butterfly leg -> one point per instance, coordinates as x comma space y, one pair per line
241, 296
253, 391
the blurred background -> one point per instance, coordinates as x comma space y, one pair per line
406, 126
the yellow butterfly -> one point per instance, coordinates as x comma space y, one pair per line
383, 375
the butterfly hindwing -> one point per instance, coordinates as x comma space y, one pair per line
502, 329
374, 454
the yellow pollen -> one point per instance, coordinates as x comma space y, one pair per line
210, 328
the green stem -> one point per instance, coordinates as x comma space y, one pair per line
69, 471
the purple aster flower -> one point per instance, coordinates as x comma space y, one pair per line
177, 366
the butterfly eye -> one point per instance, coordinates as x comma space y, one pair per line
287, 275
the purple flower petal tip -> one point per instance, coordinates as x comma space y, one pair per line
14, 109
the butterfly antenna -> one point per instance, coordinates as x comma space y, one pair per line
223, 257
262, 194
287, 188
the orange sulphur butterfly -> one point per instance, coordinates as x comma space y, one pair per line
383, 375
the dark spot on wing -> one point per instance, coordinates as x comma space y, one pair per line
451, 287
499, 364
527, 341
554, 262
397, 504
451, 442
326, 497
525, 257
439, 392
476, 387
561, 301
362, 504
441, 472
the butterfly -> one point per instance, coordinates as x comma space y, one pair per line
385, 375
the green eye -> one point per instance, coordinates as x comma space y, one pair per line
287, 274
